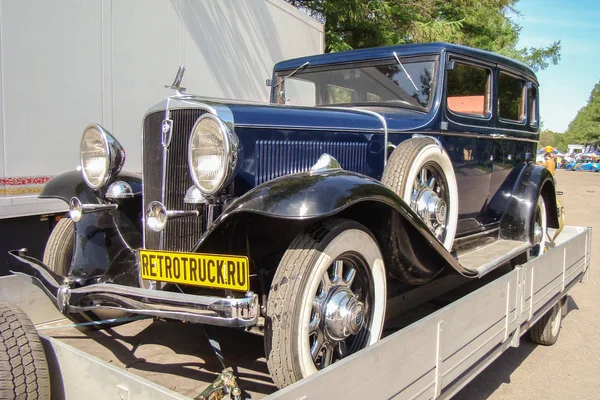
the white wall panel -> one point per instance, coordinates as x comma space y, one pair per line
51, 81
67, 63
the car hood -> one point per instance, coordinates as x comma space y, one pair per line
247, 114
363, 119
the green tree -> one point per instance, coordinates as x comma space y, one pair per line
548, 138
485, 24
585, 127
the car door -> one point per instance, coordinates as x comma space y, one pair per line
515, 136
467, 129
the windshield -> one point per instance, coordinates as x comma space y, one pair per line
386, 84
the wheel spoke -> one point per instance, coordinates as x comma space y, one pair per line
431, 183
341, 349
338, 270
350, 274
316, 317
327, 355
423, 177
316, 346
326, 283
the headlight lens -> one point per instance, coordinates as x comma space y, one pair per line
210, 154
101, 156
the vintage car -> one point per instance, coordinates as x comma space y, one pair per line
370, 171
583, 165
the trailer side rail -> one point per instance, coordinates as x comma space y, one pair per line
436, 356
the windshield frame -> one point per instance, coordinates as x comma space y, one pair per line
387, 62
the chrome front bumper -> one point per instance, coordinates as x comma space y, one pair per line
232, 312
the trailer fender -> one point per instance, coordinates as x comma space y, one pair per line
104, 241
517, 220
280, 209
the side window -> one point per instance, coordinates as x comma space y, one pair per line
340, 95
532, 105
511, 98
468, 90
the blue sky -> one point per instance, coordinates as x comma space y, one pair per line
566, 87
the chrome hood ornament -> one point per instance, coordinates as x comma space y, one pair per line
177, 81
167, 124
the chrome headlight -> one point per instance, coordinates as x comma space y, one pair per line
212, 154
101, 156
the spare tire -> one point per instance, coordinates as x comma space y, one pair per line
421, 173
23, 367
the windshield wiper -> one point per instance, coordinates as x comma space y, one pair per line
291, 74
405, 71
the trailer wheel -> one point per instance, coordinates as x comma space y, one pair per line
421, 173
23, 367
546, 330
58, 256
327, 300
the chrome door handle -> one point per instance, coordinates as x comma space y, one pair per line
498, 136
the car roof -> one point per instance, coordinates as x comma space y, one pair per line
376, 53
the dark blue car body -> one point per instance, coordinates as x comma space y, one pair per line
272, 197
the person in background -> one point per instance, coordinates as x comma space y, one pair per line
550, 163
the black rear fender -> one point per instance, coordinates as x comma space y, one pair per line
263, 222
518, 217
104, 241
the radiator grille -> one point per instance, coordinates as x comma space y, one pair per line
180, 234
275, 158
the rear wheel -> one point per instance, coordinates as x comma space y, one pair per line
540, 230
327, 300
58, 256
23, 367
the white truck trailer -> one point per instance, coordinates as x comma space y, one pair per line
64, 64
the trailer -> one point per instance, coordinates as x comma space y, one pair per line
432, 358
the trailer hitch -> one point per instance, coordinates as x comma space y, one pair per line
223, 388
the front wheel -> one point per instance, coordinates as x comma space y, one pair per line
327, 300
58, 256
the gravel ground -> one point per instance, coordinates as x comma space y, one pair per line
571, 368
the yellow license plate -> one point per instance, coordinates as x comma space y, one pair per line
206, 270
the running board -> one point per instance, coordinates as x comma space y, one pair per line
485, 258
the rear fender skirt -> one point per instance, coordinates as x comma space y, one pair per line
534, 181
105, 240
412, 253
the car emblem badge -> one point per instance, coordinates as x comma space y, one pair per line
167, 129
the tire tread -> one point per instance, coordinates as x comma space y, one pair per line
23, 367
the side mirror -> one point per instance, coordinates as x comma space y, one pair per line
269, 82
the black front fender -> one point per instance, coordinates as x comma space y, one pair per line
412, 253
104, 241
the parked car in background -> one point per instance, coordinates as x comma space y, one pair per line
583, 165
370, 172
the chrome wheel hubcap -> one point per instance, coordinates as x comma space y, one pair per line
340, 311
430, 199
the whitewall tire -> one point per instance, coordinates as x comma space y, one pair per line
327, 300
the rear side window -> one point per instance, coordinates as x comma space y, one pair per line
469, 90
532, 106
511, 98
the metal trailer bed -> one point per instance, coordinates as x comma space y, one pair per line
432, 358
